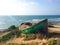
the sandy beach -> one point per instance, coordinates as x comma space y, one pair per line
19, 40
55, 29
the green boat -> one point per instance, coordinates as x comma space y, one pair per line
41, 26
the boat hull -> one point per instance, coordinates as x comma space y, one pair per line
40, 27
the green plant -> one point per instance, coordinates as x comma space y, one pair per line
10, 35
13, 44
17, 33
52, 41
12, 27
30, 36
23, 44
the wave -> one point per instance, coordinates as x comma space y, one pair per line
54, 20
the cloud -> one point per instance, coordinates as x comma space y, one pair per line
27, 4
33, 3
7, 7
14, 7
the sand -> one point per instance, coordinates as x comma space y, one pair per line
19, 40
55, 29
4, 34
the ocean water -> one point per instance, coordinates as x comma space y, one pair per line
7, 21
51, 18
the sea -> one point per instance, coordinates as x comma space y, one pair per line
7, 21
54, 19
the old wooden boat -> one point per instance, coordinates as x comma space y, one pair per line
42, 26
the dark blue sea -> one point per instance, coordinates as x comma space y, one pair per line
6, 21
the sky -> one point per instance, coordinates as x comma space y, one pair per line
29, 7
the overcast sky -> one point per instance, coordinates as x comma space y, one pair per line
29, 7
